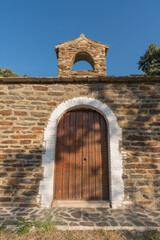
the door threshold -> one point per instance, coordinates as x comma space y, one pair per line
81, 204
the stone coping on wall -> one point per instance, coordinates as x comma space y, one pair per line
79, 79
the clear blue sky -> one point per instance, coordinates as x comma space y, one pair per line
29, 30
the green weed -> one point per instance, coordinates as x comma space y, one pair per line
153, 235
2, 228
46, 225
103, 233
138, 238
149, 235
69, 235
24, 226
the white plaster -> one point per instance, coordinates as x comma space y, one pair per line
116, 186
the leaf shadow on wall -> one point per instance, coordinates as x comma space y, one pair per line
136, 107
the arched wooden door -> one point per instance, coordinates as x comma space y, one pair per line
81, 166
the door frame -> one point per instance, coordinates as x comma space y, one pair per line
116, 185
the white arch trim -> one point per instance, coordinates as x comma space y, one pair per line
116, 186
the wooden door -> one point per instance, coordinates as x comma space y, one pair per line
81, 166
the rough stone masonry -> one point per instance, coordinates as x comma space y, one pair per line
26, 104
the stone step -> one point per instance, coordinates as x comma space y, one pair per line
80, 204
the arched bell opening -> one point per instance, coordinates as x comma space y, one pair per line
85, 57
82, 66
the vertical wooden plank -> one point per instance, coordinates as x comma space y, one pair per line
72, 165
104, 152
91, 157
98, 160
85, 156
78, 153
65, 173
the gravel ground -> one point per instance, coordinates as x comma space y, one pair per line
79, 235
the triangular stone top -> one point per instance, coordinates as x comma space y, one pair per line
81, 49
81, 39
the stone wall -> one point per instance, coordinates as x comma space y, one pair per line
26, 106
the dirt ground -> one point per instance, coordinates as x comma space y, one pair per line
79, 235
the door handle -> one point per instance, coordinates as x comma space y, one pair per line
85, 158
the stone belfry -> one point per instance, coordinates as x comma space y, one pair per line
81, 49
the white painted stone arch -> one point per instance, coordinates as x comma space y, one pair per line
116, 186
